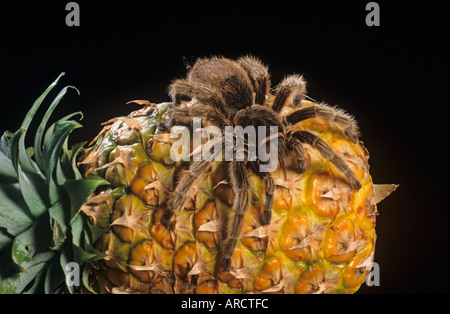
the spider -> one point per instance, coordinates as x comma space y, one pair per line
233, 92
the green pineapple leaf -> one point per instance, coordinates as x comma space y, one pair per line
34, 192
81, 189
7, 171
15, 216
41, 191
42, 125
52, 149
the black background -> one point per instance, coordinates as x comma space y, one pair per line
393, 79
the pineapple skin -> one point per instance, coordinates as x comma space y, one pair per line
321, 238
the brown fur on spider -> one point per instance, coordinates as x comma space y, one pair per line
233, 92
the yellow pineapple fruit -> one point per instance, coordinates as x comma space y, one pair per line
321, 238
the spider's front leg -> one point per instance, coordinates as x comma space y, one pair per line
335, 115
296, 146
182, 190
269, 188
327, 152
177, 90
205, 93
259, 76
293, 85
241, 188
185, 115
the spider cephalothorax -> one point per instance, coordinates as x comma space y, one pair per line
234, 93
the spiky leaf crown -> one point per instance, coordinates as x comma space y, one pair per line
41, 191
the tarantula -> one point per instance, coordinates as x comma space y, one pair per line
232, 93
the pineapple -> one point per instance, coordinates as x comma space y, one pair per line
105, 205
321, 237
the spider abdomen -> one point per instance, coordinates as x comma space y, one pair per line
227, 77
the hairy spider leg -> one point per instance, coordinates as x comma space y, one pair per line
336, 115
293, 85
327, 152
259, 76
